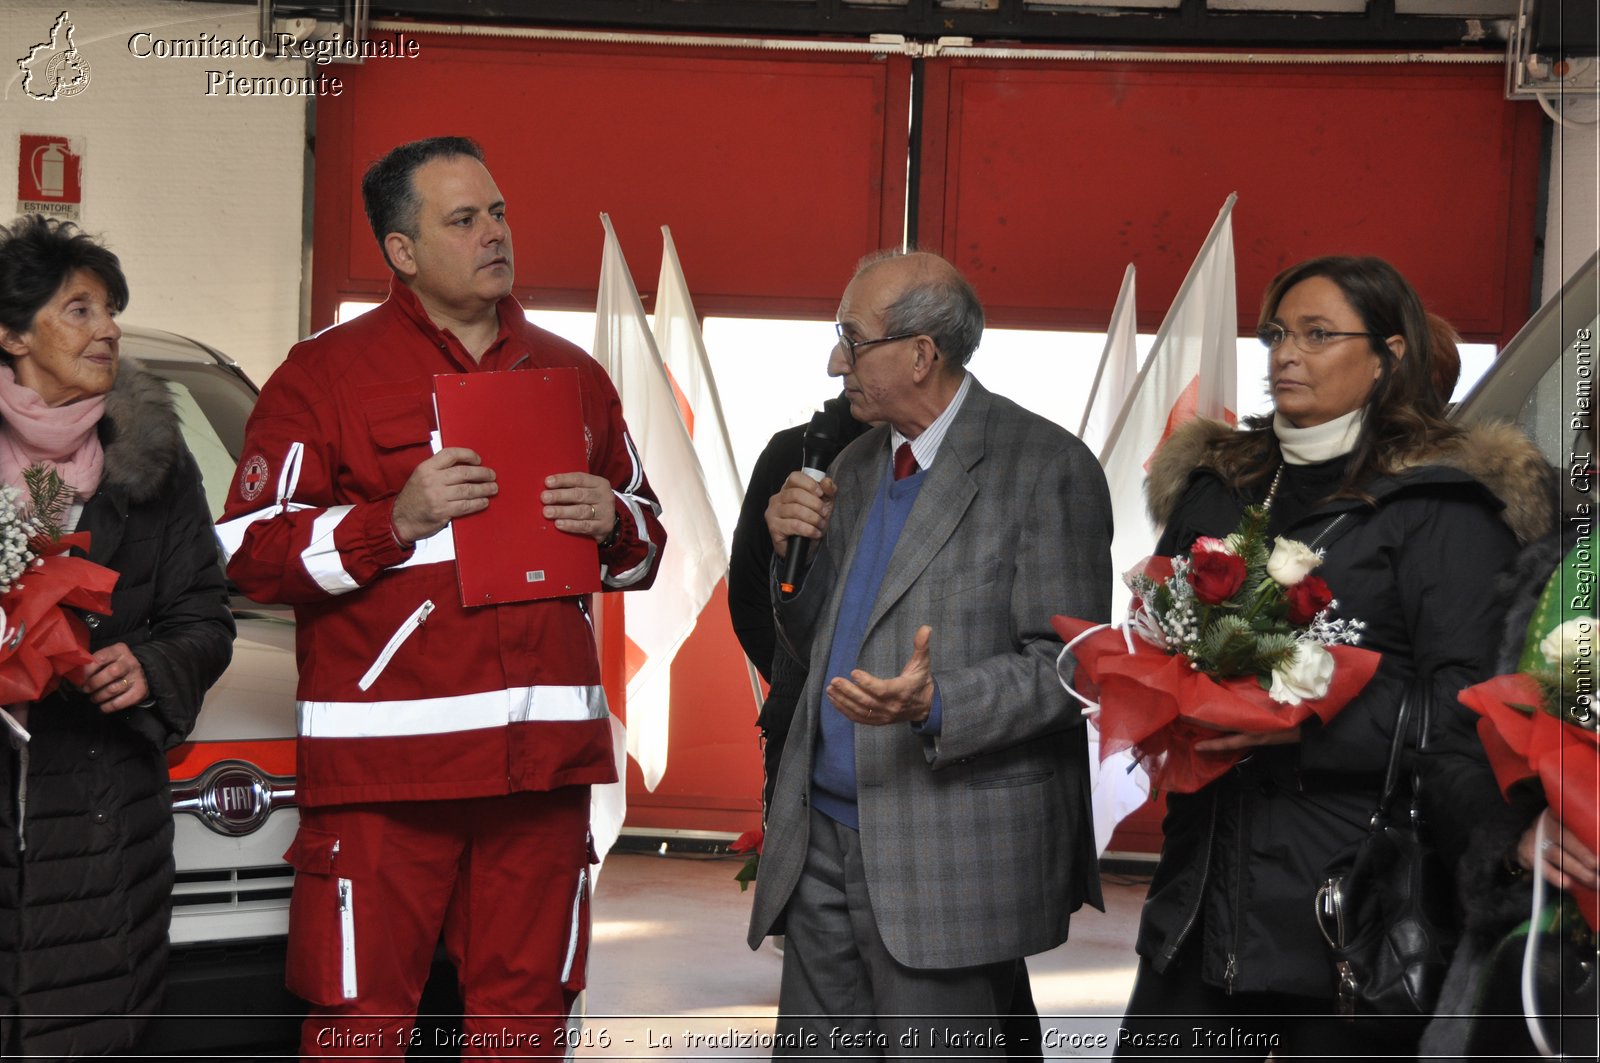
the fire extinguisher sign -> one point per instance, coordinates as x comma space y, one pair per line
50, 176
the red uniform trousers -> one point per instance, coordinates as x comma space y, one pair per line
505, 879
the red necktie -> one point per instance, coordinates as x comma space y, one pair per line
904, 462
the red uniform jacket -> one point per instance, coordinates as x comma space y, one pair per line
403, 693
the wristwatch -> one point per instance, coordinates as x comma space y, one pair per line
616, 533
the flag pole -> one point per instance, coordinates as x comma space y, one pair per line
671, 250
1105, 352
1166, 327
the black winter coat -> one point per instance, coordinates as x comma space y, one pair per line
86, 865
1243, 857
749, 587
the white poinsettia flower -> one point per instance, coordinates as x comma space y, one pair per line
1304, 677
1569, 644
1291, 561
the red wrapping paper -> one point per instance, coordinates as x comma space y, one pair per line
44, 642
1156, 704
1525, 742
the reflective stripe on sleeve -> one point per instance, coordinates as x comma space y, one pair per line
464, 712
230, 533
289, 475
637, 572
636, 467
321, 559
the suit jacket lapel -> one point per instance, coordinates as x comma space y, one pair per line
856, 481
946, 493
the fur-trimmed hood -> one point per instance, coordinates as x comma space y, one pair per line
1496, 454
140, 433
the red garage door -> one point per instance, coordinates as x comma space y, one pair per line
777, 170
1042, 181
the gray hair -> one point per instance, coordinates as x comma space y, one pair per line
939, 303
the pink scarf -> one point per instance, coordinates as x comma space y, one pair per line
34, 433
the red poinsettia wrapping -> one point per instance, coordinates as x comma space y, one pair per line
752, 842
42, 641
1159, 705
1524, 741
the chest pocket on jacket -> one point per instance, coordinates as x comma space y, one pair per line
399, 426
968, 579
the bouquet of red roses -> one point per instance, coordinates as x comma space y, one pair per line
1232, 637
751, 842
1540, 722
41, 639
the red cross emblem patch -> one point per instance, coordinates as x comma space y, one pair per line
253, 477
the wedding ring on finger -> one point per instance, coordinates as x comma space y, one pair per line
592, 511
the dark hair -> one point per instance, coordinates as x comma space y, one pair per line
389, 193
1446, 355
38, 255
940, 304
1404, 409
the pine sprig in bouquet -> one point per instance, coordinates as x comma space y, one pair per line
50, 496
1235, 636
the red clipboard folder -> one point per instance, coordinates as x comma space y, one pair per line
525, 425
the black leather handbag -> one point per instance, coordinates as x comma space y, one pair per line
1386, 904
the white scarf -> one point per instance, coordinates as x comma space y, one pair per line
1319, 443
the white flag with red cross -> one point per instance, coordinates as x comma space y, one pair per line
1189, 372
657, 620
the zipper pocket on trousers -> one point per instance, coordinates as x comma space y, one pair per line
390, 648
347, 938
575, 934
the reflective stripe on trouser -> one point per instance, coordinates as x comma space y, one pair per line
495, 877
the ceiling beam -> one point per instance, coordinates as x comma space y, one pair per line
1192, 23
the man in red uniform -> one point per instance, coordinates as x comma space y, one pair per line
445, 754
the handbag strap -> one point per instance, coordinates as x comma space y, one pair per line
1419, 692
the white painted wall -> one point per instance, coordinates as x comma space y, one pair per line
201, 197
1572, 230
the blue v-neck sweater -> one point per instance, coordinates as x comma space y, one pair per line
833, 766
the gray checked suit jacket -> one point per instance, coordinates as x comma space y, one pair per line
978, 843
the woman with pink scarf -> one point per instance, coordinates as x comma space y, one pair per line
85, 818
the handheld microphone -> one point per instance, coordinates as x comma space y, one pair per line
818, 447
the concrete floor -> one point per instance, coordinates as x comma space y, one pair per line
670, 975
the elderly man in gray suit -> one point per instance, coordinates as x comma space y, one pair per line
930, 824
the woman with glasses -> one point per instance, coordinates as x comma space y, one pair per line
1414, 516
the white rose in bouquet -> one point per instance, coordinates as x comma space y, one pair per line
1303, 677
1291, 561
1570, 649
